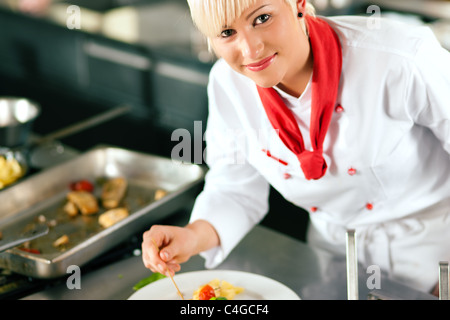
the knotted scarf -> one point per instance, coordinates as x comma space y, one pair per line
327, 54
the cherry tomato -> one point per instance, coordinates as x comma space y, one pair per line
206, 293
82, 185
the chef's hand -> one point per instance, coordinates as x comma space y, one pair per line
164, 248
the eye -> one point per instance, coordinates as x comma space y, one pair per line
227, 33
262, 19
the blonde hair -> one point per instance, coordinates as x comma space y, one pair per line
210, 16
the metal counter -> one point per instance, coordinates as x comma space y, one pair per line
312, 274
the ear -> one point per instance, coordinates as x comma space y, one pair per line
301, 6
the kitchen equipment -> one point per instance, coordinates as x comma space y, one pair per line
352, 266
38, 231
82, 125
43, 196
16, 120
443, 281
46, 151
27, 153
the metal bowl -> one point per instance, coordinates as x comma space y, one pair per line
16, 120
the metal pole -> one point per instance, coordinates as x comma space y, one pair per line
352, 266
443, 280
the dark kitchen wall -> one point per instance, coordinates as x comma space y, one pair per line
168, 92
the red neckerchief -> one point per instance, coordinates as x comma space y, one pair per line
327, 53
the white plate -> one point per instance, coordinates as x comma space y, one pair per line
256, 287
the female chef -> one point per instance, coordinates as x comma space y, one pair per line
348, 121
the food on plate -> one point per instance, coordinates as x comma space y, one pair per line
10, 171
206, 293
61, 241
217, 290
85, 201
113, 191
112, 216
160, 193
147, 280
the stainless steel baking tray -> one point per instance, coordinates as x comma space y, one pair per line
42, 197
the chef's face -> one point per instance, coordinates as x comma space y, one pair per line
266, 43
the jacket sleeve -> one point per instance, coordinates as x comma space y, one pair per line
235, 195
429, 90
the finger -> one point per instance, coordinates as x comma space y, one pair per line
171, 251
165, 255
150, 253
172, 255
146, 257
172, 268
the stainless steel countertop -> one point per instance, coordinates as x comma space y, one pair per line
311, 273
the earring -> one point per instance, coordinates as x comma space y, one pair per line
300, 14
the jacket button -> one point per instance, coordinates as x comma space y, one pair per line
351, 171
339, 108
369, 206
313, 209
287, 176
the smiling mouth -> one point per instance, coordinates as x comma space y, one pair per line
261, 65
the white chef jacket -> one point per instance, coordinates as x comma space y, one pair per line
387, 150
